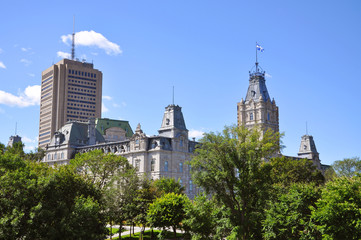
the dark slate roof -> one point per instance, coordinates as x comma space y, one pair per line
257, 87
75, 134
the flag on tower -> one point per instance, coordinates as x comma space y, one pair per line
259, 48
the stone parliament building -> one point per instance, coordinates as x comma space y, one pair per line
166, 154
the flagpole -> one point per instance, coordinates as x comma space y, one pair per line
256, 59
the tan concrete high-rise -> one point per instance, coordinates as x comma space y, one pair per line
70, 91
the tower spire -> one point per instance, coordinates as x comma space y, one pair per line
73, 41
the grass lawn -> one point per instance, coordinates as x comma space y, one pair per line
114, 230
170, 235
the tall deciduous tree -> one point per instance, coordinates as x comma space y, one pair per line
228, 166
347, 167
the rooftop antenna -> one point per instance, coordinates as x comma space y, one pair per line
173, 95
73, 41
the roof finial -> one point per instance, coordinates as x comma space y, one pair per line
73, 41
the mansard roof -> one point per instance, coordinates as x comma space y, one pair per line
257, 89
172, 120
102, 124
74, 133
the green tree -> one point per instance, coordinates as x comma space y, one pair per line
16, 148
337, 214
36, 155
202, 218
286, 171
348, 167
146, 194
40, 202
168, 211
99, 168
228, 166
289, 215
168, 185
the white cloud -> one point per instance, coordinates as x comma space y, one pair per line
25, 139
25, 61
2, 65
31, 74
124, 104
267, 75
104, 108
30, 97
93, 39
195, 133
107, 98
25, 49
63, 54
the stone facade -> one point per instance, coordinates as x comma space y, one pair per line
164, 155
257, 108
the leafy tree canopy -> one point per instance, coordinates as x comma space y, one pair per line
168, 211
228, 166
168, 185
337, 214
286, 171
348, 167
40, 202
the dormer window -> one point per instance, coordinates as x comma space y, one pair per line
167, 121
304, 147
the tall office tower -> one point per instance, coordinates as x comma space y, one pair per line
70, 91
258, 109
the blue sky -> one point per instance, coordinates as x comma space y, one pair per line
203, 48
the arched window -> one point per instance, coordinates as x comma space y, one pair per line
190, 186
268, 117
251, 116
166, 166
180, 167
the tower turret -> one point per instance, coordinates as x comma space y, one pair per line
308, 150
257, 108
173, 122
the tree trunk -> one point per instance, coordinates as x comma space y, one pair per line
175, 232
111, 231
